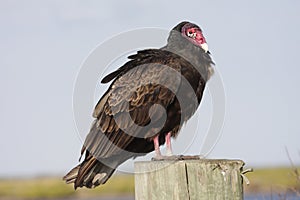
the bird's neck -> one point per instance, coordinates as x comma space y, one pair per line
193, 54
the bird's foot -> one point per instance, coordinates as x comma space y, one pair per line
172, 157
175, 157
169, 152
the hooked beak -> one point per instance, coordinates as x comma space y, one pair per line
204, 46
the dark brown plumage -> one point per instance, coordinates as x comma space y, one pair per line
150, 98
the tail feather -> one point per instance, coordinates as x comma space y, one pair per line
72, 175
90, 174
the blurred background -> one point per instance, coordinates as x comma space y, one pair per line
43, 44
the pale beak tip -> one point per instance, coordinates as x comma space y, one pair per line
204, 46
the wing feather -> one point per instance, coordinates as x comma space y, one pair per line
125, 106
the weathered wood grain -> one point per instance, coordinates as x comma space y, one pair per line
189, 179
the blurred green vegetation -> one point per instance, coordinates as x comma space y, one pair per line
270, 180
29, 188
261, 181
50, 187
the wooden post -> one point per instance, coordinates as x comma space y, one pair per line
189, 179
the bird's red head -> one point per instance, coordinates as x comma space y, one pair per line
194, 34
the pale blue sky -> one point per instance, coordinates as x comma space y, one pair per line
43, 44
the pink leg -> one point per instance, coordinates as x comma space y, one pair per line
168, 144
156, 146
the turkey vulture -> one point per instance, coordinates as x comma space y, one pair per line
149, 99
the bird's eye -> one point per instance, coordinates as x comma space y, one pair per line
190, 34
